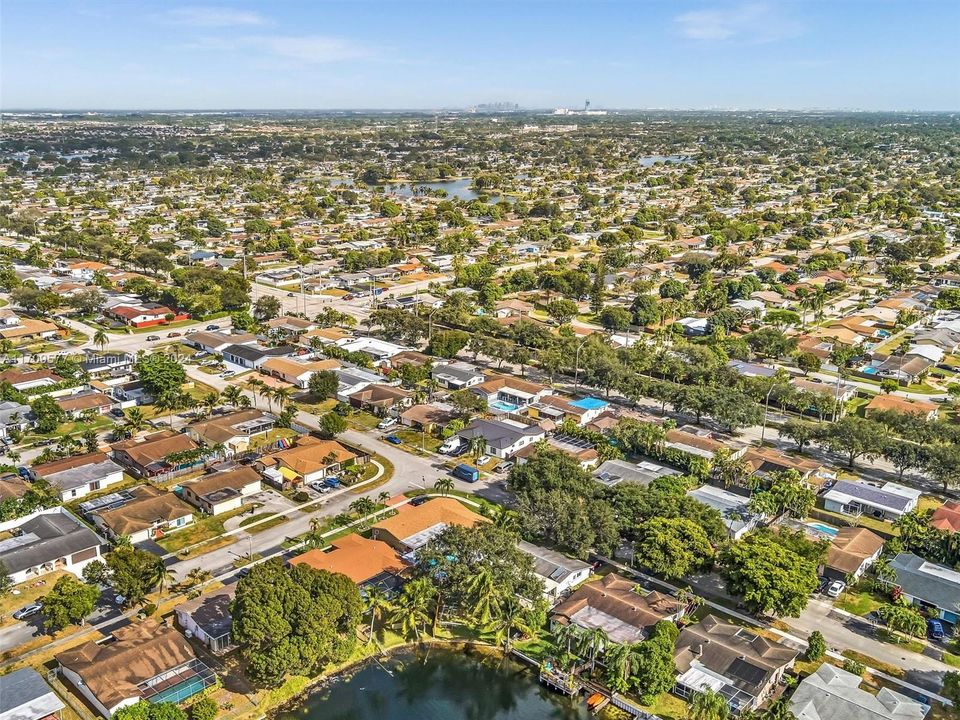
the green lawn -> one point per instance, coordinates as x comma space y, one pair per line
668, 707
419, 440
901, 641
271, 437
279, 520
72, 427
363, 421
859, 603
871, 523
206, 528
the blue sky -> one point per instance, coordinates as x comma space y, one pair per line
857, 54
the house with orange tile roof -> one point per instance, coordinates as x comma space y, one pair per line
415, 525
310, 460
902, 405
946, 518
366, 562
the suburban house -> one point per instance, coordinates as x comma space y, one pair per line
506, 393
733, 508
614, 604
456, 375
251, 357
742, 667
931, 587
557, 409
354, 379
216, 342
148, 514
415, 525
143, 661
831, 693
222, 491
886, 502
147, 456
233, 431
428, 417
380, 399
379, 351
946, 518
30, 379
14, 416
763, 461
295, 372
78, 403
701, 443
852, 551
288, 327
613, 472
311, 459
45, 541
367, 562
207, 618
24, 695
107, 364
905, 406
73, 477
558, 573
504, 438
580, 450
144, 314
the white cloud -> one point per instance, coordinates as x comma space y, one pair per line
751, 23
299, 49
204, 16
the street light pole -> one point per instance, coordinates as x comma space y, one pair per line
766, 409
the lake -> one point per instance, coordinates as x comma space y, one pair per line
437, 684
459, 189
649, 160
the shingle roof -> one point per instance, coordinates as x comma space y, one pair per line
834, 694
25, 696
45, 538
935, 584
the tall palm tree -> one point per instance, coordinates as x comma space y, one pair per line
101, 339
232, 394
378, 605
382, 497
256, 387
708, 705
135, 421
412, 610
504, 518
167, 403
594, 641
167, 578
199, 576
620, 661
443, 485
211, 400
282, 396
511, 617
484, 596
477, 446
566, 636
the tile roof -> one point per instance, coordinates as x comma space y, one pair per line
358, 558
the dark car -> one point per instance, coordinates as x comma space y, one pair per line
393, 440
935, 629
419, 500
151, 338
290, 294
824, 584
244, 571
117, 413
213, 327
173, 334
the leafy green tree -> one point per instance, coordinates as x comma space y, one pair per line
808, 362
816, 646
134, 572
784, 492
448, 343
708, 705
144, 710
48, 415
801, 432
951, 686
654, 671
160, 374
672, 547
267, 307
69, 602
767, 575
205, 708
855, 437
323, 384
95, 572
294, 621
331, 424
903, 618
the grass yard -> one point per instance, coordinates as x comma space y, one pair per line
246, 522
363, 421
73, 427
202, 530
859, 603
271, 437
668, 707
28, 592
928, 502
892, 670
885, 529
419, 440
369, 470
901, 641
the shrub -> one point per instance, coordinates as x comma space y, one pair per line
300, 497
204, 709
852, 666
816, 646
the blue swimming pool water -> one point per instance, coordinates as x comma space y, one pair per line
180, 691
589, 403
869, 371
825, 529
504, 406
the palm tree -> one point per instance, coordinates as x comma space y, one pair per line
443, 485
378, 605
232, 394
412, 610
168, 402
620, 661
101, 339
211, 400
363, 506
477, 446
382, 497
199, 576
708, 705
167, 578
594, 640
510, 617
566, 635
135, 421
730, 470
484, 597
282, 396
256, 387
505, 518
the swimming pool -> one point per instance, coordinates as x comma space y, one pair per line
504, 406
869, 371
825, 529
589, 403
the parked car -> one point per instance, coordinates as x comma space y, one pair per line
483, 460
836, 588
503, 467
823, 584
467, 473
173, 334
451, 445
244, 571
935, 629
151, 338
386, 422
419, 500
212, 327
393, 440
331, 482
27, 611
117, 413
349, 296
227, 373
191, 331
290, 294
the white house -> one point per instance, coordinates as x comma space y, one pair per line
559, 574
504, 438
45, 541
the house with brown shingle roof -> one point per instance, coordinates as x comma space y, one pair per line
380, 399
147, 456
150, 513
415, 525
77, 404
742, 667
613, 604
852, 551
222, 491
310, 460
144, 661
366, 562
232, 430
27, 379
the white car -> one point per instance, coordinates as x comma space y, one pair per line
386, 422
483, 460
836, 588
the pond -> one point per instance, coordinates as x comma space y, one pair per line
460, 189
437, 684
649, 160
